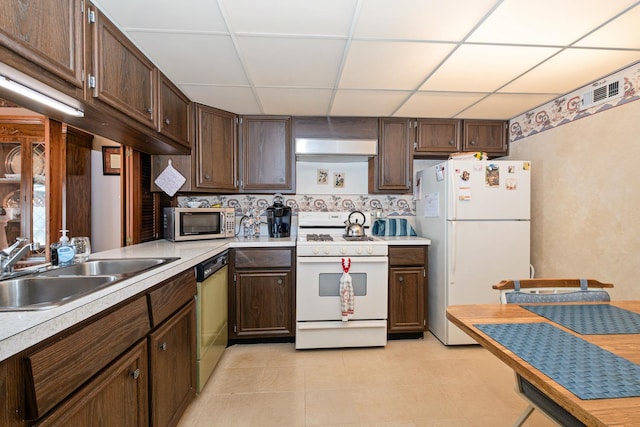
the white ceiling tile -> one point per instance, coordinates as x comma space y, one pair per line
306, 102
420, 20
545, 22
192, 15
571, 69
170, 52
366, 103
291, 62
438, 104
621, 32
332, 17
504, 106
480, 68
239, 100
391, 65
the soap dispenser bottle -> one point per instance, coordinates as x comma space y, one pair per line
66, 251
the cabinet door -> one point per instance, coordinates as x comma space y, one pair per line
406, 299
175, 110
267, 155
391, 170
485, 135
172, 354
124, 77
216, 150
263, 303
116, 397
437, 137
48, 33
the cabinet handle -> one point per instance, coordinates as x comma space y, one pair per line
280, 282
163, 346
452, 142
207, 177
473, 143
400, 279
135, 374
167, 122
148, 110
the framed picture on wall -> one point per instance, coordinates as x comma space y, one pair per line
111, 160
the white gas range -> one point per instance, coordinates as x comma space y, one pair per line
323, 254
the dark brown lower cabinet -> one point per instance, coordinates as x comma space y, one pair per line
261, 294
407, 289
172, 355
116, 397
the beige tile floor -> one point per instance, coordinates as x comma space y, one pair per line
406, 383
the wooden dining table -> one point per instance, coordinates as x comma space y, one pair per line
623, 411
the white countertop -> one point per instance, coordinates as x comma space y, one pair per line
406, 240
21, 329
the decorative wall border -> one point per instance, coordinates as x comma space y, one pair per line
391, 205
565, 109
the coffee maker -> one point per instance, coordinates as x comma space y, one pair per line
279, 218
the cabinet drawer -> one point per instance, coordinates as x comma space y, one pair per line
58, 369
263, 258
166, 298
407, 255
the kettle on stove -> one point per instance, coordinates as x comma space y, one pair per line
353, 229
278, 218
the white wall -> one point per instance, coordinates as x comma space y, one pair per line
105, 202
585, 202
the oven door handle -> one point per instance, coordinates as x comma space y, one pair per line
354, 259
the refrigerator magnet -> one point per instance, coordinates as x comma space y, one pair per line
492, 175
439, 172
511, 183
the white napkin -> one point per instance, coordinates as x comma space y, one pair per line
170, 180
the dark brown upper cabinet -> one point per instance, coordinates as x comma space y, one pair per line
44, 39
174, 110
268, 162
489, 136
391, 170
436, 137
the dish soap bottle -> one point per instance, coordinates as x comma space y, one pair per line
66, 251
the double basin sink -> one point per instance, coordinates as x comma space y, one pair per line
56, 286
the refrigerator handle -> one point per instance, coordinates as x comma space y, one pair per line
452, 252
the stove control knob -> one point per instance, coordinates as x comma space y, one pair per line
343, 250
359, 249
326, 250
315, 250
370, 249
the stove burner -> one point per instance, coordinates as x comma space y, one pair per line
319, 238
358, 239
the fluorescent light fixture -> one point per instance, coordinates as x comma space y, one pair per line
16, 87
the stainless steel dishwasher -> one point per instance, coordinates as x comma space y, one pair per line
212, 316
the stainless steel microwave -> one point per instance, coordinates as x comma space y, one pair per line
198, 223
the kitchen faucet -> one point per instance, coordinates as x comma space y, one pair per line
10, 256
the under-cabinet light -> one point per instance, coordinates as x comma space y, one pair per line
16, 87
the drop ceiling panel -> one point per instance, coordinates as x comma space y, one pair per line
622, 32
545, 22
329, 17
239, 100
391, 65
191, 15
171, 52
306, 102
367, 103
291, 62
438, 104
419, 19
503, 106
484, 68
571, 69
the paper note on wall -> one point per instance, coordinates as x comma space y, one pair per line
432, 205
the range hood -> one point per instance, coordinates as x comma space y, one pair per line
335, 150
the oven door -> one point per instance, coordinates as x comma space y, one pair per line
318, 286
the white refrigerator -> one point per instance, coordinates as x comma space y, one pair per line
476, 214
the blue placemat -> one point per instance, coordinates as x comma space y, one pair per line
584, 369
590, 319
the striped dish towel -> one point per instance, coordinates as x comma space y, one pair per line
392, 227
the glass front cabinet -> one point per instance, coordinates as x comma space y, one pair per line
23, 185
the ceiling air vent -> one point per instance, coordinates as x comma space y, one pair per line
605, 91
